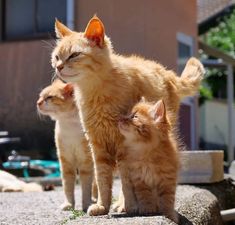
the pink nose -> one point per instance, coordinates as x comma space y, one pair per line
39, 102
60, 67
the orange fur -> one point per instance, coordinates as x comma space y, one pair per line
107, 85
57, 102
149, 165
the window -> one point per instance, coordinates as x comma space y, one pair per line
185, 50
30, 18
188, 109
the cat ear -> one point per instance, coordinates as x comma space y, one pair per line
68, 90
95, 31
143, 99
158, 111
61, 30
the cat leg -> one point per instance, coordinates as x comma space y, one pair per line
94, 191
104, 164
145, 198
68, 181
86, 177
166, 194
127, 203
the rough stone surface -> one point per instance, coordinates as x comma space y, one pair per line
195, 205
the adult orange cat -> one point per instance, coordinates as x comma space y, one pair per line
108, 85
151, 159
56, 101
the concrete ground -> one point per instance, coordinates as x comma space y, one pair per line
195, 206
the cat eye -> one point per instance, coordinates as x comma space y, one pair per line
48, 97
75, 54
134, 115
57, 57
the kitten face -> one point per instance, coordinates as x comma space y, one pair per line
56, 100
145, 123
79, 54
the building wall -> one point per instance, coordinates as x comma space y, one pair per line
24, 70
142, 27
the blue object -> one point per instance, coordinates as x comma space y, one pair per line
49, 165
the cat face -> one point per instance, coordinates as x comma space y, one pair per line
145, 123
78, 55
56, 100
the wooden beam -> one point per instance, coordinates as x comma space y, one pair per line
216, 53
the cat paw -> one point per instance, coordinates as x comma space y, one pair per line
133, 210
174, 217
147, 210
96, 210
66, 206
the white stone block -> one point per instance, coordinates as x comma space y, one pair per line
201, 167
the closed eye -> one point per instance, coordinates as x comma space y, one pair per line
75, 54
134, 115
48, 97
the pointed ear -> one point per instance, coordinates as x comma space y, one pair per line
158, 111
142, 99
61, 30
95, 32
68, 90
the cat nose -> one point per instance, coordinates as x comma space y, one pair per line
123, 119
39, 102
60, 67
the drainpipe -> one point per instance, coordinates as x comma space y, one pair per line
230, 113
70, 14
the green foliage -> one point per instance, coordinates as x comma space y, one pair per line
221, 37
75, 214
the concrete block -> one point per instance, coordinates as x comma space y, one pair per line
201, 167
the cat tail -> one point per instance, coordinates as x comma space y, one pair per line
191, 78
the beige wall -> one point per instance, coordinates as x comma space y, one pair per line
24, 70
143, 27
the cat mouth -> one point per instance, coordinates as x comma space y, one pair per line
67, 75
122, 126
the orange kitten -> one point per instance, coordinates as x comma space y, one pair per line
57, 102
107, 85
150, 159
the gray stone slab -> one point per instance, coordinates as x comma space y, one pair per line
197, 206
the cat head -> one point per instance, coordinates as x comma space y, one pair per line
146, 122
79, 56
56, 100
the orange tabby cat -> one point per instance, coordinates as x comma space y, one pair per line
57, 102
107, 85
150, 158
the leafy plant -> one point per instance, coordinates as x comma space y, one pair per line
221, 37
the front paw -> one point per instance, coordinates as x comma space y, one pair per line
66, 206
133, 209
96, 210
146, 210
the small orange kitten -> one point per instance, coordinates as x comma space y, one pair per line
150, 158
57, 102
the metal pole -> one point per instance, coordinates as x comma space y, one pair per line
230, 113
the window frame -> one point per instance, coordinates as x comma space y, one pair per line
189, 101
33, 36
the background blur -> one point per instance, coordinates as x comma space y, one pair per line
165, 30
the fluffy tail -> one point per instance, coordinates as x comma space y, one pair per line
191, 77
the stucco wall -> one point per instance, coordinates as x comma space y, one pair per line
143, 27
24, 70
